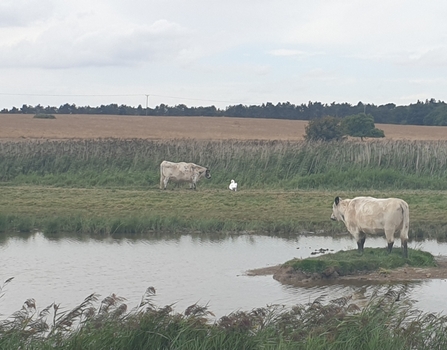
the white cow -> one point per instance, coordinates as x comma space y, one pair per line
368, 215
233, 186
182, 172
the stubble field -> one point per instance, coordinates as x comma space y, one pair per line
24, 126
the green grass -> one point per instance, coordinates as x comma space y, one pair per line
350, 262
104, 211
253, 164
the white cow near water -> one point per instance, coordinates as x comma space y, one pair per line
182, 172
368, 215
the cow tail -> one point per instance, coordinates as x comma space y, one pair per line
405, 219
161, 176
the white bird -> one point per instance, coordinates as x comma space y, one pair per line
233, 186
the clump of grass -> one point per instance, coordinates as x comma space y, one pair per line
350, 262
25, 225
53, 227
3, 223
44, 116
20, 223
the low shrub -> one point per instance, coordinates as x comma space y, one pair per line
44, 116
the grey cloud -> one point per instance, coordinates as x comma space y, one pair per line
22, 13
435, 58
70, 47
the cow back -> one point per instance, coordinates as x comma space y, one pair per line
374, 214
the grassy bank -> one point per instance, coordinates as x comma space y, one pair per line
388, 321
104, 211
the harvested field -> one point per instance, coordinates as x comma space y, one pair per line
24, 126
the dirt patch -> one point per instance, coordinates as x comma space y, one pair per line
287, 275
78, 126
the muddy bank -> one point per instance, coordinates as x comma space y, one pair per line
288, 275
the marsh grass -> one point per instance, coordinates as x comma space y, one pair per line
21, 224
254, 164
388, 321
350, 261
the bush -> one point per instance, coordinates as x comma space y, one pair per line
44, 116
324, 129
361, 125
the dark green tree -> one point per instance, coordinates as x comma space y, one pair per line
324, 129
360, 125
437, 117
67, 109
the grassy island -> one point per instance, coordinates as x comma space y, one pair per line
351, 262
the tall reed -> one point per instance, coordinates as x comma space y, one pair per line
255, 164
388, 321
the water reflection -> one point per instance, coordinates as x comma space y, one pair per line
184, 269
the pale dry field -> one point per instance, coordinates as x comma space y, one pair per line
25, 127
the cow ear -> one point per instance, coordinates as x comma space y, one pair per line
337, 200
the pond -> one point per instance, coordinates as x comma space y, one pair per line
184, 270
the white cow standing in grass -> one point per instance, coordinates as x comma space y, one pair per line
233, 186
182, 172
368, 215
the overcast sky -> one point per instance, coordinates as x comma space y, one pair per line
207, 52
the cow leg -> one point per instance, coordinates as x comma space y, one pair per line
390, 246
405, 249
404, 241
360, 244
389, 234
165, 182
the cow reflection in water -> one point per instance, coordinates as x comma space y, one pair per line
368, 215
182, 172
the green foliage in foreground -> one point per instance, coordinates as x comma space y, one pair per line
351, 261
285, 165
388, 321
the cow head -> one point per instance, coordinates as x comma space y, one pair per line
337, 215
207, 174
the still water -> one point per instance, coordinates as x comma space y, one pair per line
183, 269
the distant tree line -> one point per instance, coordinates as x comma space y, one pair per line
430, 112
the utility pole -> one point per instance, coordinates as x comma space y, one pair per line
147, 102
